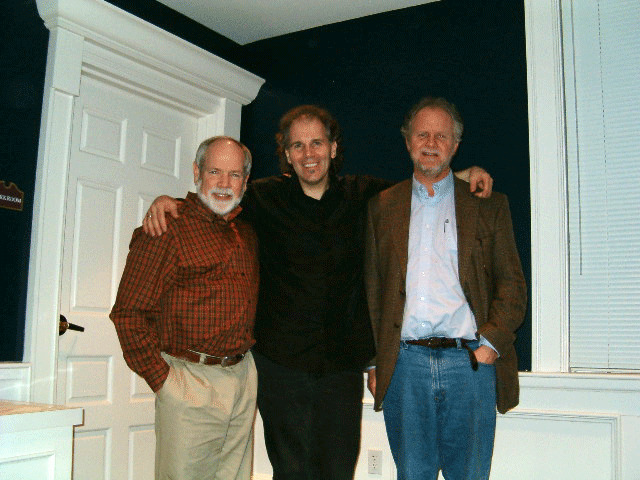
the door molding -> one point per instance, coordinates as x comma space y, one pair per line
94, 38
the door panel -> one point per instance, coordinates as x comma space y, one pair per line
126, 150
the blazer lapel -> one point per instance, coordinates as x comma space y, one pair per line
400, 216
466, 220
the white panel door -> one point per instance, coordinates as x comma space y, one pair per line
126, 149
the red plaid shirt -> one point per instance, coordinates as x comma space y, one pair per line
195, 287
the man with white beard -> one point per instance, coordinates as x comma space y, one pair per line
312, 329
184, 315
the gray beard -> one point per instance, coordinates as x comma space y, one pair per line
432, 172
219, 208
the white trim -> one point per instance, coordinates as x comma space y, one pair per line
45, 262
99, 62
577, 382
549, 238
92, 37
14, 381
94, 20
571, 418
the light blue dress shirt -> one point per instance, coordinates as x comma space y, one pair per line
436, 305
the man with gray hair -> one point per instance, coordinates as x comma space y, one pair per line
446, 294
184, 315
312, 330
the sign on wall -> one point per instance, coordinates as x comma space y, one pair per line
11, 197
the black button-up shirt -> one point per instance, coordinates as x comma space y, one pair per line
312, 310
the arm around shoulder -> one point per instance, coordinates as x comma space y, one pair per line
155, 222
479, 180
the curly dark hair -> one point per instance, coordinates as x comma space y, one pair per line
309, 112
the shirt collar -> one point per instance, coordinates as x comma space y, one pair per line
441, 189
332, 192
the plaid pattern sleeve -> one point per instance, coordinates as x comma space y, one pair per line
149, 272
195, 287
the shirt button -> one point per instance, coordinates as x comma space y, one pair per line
422, 299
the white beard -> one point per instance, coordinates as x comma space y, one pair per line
219, 207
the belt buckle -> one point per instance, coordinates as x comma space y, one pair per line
434, 342
228, 361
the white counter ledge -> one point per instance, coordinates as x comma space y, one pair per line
36, 440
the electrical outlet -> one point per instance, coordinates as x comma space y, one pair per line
375, 462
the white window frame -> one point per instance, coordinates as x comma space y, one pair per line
548, 172
549, 187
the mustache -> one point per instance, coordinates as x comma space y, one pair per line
220, 191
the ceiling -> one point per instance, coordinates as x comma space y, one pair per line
246, 21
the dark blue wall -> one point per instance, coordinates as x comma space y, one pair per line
368, 72
23, 56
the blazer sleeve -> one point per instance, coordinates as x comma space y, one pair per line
506, 288
372, 274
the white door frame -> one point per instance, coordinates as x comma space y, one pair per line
94, 37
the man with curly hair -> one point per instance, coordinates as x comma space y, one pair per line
313, 334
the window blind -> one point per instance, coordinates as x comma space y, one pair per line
602, 90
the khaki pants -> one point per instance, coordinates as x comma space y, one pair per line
204, 421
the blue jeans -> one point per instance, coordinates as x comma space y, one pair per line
311, 423
440, 414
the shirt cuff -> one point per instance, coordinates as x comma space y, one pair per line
483, 341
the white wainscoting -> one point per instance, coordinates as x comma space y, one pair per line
36, 441
572, 426
14, 381
567, 426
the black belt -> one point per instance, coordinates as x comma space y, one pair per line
442, 342
204, 359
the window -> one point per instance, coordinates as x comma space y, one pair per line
602, 89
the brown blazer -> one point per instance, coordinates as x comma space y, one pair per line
489, 270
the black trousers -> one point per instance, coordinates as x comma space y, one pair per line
311, 424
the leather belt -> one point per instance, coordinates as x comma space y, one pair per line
436, 342
443, 342
204, 359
